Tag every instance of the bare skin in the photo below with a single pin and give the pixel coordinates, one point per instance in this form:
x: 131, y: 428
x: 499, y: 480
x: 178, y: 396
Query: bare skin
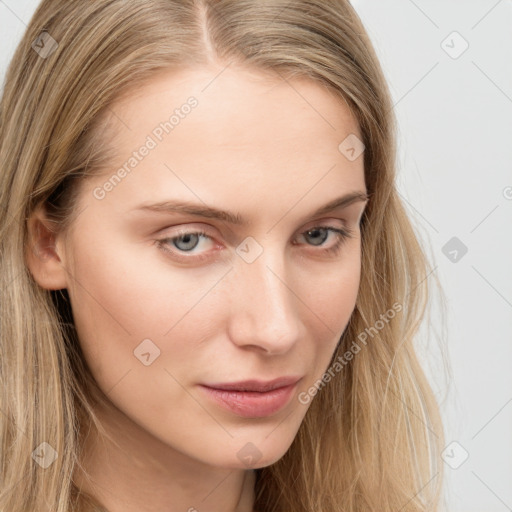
x: 252, y: 145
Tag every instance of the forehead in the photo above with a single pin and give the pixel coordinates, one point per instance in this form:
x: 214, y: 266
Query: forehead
x: 234, y: 104
x: 280, y: 136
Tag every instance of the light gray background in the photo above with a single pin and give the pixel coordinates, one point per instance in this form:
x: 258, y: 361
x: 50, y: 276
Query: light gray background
x: 455, y: 176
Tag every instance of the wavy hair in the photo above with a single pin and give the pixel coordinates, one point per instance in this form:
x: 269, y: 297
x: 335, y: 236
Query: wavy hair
x: 372, y: 438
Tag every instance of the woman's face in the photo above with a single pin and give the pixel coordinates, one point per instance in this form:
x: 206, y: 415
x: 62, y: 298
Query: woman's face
x: 162, y: 311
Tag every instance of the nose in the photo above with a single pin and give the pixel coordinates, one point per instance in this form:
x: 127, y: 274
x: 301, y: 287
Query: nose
x: 264, y: 305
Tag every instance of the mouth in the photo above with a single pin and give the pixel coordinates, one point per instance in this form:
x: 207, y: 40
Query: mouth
x: 253, y: 399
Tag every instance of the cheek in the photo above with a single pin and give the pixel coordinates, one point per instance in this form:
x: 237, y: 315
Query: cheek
x: 332, y: 299
x: 333, y: 291
x: 121, y: 297
x: 124, y: 293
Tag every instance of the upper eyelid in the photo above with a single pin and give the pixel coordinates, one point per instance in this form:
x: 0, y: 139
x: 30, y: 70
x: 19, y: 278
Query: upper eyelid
x: 308, y: 225
x: 182, y: 231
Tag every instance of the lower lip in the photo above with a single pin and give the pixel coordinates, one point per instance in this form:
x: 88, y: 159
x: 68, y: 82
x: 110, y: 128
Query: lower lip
x: 251, y: 404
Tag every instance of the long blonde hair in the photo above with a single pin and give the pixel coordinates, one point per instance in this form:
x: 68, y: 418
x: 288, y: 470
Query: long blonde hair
x: 372, y: 437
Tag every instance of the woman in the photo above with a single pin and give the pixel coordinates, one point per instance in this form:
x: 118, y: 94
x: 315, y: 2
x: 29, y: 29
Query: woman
x: 250, y: 370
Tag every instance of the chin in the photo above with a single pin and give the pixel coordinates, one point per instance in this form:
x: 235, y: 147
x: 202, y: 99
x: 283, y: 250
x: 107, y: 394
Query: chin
x: 254, y: 452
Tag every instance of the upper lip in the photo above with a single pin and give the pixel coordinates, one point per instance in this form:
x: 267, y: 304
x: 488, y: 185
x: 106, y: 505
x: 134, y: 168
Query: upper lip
x: 255, y: 385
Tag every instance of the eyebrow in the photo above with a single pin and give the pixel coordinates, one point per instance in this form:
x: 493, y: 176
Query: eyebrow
x: 235, y: 218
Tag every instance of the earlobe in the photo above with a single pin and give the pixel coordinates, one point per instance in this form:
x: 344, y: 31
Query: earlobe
x: 42, y: 254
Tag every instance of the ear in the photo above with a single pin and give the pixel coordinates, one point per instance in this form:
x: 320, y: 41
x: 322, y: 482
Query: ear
x: 42, y: 252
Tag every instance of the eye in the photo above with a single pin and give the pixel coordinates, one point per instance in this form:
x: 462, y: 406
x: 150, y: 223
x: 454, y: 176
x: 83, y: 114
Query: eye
x: 341, y: 236
x: 185, y: 242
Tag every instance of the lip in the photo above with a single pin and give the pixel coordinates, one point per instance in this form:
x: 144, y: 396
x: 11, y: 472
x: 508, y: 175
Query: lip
x: 255, y: 385
x: 253, y: 404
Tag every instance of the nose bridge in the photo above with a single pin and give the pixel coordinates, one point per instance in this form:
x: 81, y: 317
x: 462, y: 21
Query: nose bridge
x: 264, y: 306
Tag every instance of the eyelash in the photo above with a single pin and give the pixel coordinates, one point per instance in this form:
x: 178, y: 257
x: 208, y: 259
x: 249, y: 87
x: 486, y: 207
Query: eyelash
x: 343, y: 234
